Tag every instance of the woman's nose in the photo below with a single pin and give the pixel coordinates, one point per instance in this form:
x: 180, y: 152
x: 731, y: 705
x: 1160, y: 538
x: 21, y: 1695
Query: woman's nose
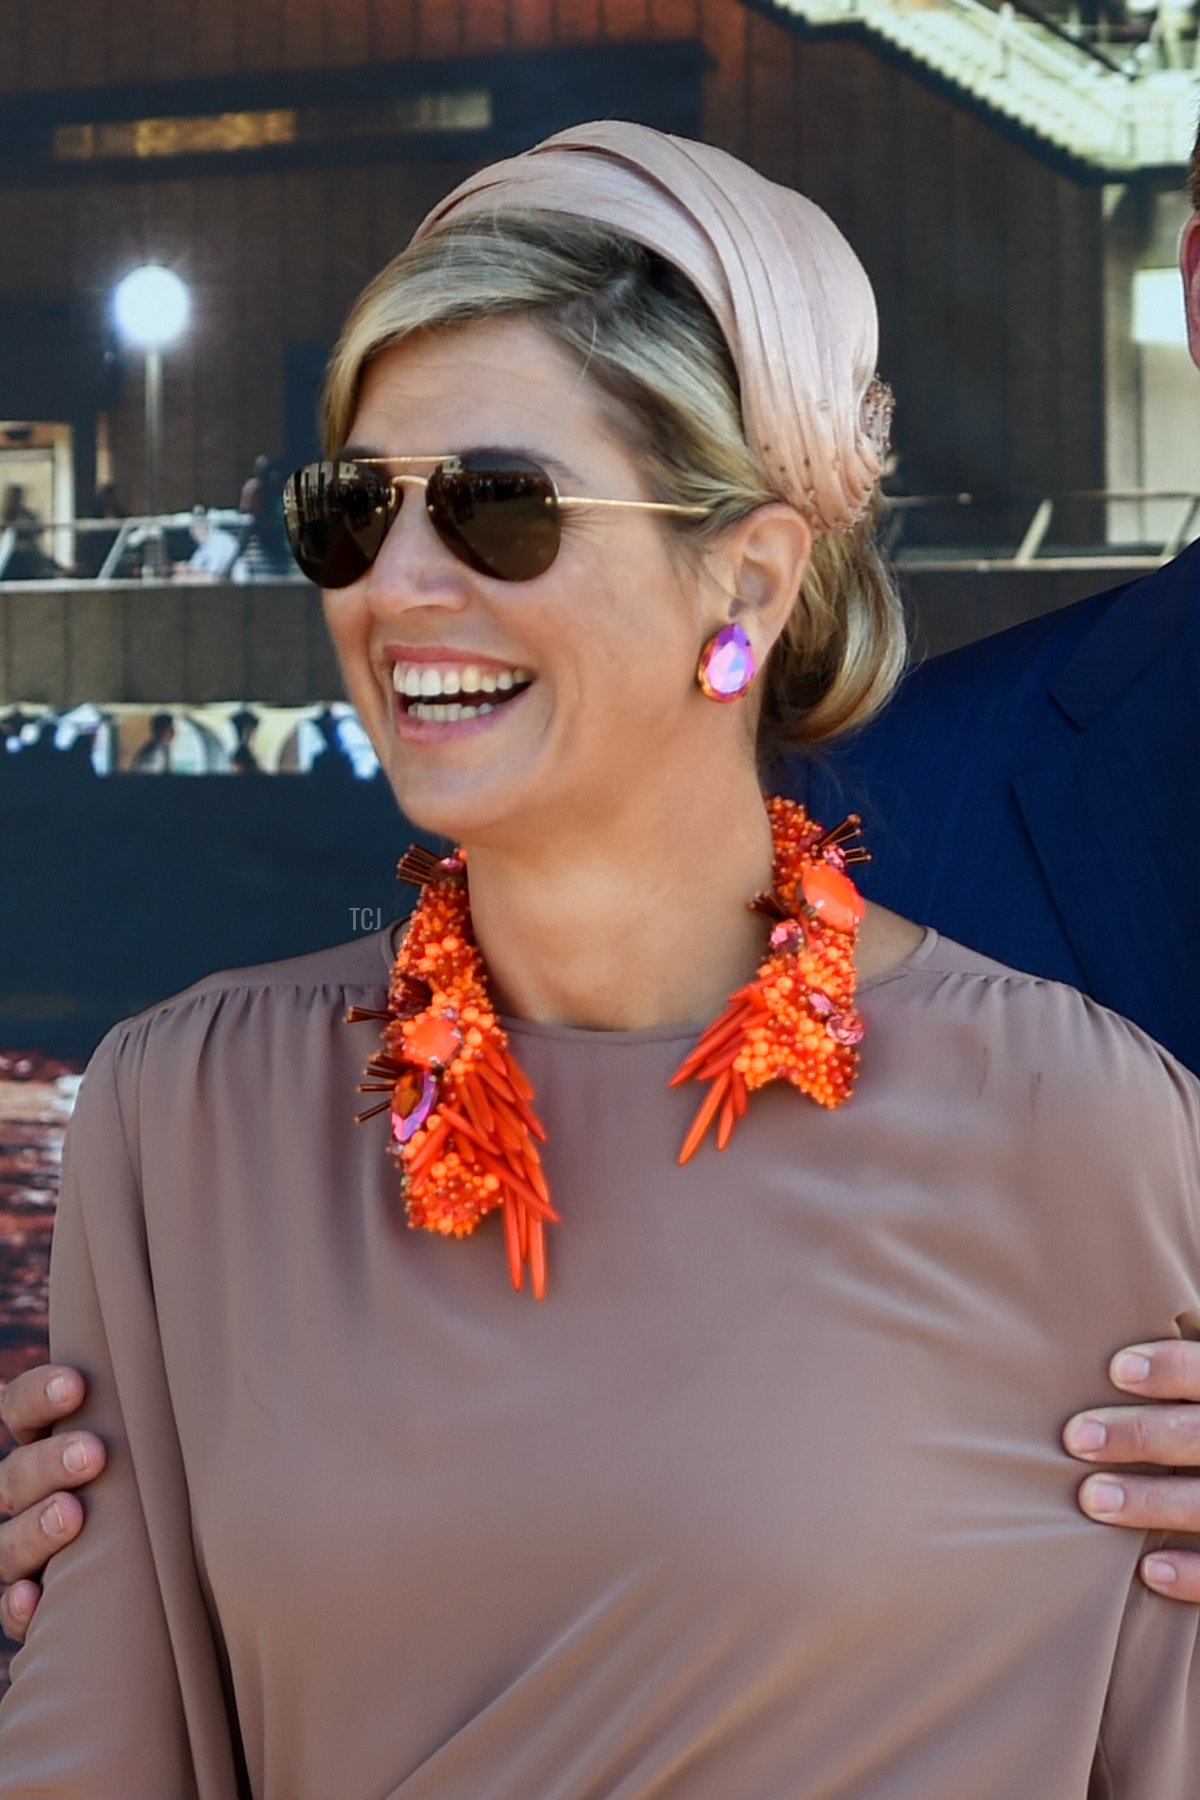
x: 413, y: 567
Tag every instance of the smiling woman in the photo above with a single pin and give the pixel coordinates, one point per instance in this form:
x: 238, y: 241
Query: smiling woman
x: 788, y: 1189
x: 608, y: 678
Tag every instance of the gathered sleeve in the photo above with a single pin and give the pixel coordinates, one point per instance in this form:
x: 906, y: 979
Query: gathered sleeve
x: 117, y: 1693
x: 1149, y: 1744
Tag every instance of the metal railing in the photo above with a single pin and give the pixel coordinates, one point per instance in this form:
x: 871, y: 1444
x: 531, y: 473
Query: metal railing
x: 1020, y: 62
x: 987, y: 547
x: 1075, y: 40
x: 141, y: 549
x: 1033, y: 547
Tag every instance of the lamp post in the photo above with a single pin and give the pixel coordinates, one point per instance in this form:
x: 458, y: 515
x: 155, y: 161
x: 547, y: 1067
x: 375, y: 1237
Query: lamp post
x: 151, y: 306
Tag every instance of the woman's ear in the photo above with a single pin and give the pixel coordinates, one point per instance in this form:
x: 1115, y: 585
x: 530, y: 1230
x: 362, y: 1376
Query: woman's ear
x: 764, y: 558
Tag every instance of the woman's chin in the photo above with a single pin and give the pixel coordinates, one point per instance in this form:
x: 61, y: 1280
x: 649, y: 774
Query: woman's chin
x: 480, y: 807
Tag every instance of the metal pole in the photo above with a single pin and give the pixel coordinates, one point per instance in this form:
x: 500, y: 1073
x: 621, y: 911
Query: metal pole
x: 156, y: 558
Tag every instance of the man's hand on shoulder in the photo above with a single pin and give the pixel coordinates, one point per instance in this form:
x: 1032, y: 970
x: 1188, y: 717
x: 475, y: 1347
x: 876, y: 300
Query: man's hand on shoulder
x: 35, y: 1479
x: 1165, y: 1433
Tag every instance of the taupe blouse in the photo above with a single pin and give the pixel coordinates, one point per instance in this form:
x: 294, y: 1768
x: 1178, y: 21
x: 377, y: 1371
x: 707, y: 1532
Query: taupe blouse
x: 765, y: 1501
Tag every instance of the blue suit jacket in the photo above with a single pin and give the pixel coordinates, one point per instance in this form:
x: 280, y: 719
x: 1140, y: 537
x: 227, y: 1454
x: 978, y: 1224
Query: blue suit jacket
x: 1037, y: 796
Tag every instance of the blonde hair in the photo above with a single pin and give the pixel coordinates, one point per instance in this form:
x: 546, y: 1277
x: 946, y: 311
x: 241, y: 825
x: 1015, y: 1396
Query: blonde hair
x: 663, y: 372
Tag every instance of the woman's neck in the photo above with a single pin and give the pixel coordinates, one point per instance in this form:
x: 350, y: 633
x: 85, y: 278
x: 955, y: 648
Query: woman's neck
x: 631, y: 921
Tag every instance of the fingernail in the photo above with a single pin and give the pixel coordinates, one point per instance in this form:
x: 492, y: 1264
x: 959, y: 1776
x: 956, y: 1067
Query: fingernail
x: 20, y: 1603
x: 1085, y: 1436
x: 1158, y: 1572
x: 58, y: 1390
x: 53, y: 1523
x: 1101, y: 1496
x: 75, y: 1456
x: 1130, y: 1367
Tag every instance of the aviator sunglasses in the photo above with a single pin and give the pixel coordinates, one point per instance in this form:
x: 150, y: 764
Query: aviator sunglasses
x: 498, y: 513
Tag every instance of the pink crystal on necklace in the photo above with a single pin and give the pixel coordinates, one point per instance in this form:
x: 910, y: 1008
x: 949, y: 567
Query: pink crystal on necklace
x: 846, y: 1028
x: 788, y: 935
x: 419, y: 1101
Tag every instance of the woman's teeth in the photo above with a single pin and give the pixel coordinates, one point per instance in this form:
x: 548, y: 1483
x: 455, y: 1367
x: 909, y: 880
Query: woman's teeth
x: 443, y: 714
x: 423, y: 681
x: 444, y: 696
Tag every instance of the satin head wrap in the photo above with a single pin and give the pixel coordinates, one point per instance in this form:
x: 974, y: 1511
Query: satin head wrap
x: 788, y: 292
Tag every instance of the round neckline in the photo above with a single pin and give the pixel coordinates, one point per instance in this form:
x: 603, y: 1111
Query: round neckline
x: 682, y: 1032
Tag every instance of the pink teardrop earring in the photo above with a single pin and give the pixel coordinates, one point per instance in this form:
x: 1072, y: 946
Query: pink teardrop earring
x: 727, y: 665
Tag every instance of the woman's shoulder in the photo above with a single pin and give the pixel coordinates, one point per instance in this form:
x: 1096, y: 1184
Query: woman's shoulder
x: 270, y: 993
x: 357, y: 962
x: 1036, y: 1030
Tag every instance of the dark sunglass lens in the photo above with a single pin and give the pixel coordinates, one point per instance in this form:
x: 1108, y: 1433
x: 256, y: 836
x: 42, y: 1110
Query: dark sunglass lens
x: 337, y: 515
x: 498, y: 513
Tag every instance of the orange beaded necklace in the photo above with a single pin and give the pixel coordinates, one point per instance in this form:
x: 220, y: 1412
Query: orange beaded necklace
x: 464, y: 1131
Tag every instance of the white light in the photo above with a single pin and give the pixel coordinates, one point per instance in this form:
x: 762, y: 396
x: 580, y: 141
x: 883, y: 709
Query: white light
x: 1158, y: 316
x: 151, y: 307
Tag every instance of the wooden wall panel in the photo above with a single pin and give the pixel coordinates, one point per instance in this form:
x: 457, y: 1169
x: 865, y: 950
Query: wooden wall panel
x: 170, y: 216
x: 772, y: 109
x: 389, y: 215
x: 302, y: 226
x: 674, y: 18
x: 276, y: 647
x: 852, y: 151
x: 214, y: 647
x: 12, y: 224
x: 46, y: 25
x: 725, y: 30
x: 324, y: 676
x: 924, y: 302
x: 302, y: 26
x: 347, y: 31
x: 85, y: 51
x: 393, y: 28
x: 441, y: 26
x: 103, y: 243
x: 215, y: 35
x: 577, y: 22
x: 1079, y: 340
x: 1032, y: 297
x: 877, y: 223
x: 12, y: 35
x: 260, y: 33
x: 350, y: 263
x: 979, y: 366
x: 173, y: 30
x: 129, y: 38
x: 625, y: 18
x: 155, y: 636
x: 94, y: 662
x: 37, y: 645
x: 487, y: 27
x: 532, y: 24
x: 41, y: 253
x: 222, y: 301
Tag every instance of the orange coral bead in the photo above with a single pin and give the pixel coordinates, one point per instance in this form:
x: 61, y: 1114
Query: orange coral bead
x: 433, y: 1042
x: 833, y: 897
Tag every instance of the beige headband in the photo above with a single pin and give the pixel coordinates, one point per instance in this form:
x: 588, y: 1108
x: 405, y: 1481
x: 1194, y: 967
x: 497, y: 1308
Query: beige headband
x: 790, y: 295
